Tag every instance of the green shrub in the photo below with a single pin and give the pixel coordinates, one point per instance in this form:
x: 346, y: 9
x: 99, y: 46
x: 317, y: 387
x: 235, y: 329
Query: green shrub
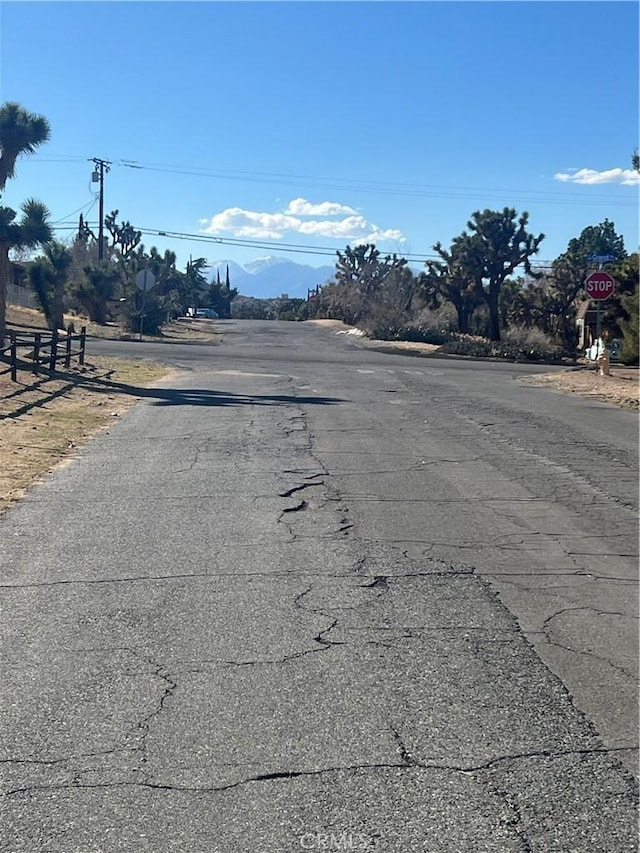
x: 630, y: 337
x: 427, y: 335
x: 518, y: 344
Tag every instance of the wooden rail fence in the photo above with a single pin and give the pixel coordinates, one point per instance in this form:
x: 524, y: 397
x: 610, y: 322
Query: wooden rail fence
x: 40, y: 350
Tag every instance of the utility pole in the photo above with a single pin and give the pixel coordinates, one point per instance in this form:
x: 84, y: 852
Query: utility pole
x: 103, y: 166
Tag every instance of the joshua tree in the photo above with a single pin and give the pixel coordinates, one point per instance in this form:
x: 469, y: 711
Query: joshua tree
x: 21, y: 132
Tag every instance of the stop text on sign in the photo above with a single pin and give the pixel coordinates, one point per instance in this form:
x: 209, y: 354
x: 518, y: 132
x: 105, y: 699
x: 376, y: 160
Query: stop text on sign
x: 600, y: 285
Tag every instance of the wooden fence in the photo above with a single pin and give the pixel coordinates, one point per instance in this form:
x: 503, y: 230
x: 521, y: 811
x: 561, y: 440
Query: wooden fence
x: 37, y: 351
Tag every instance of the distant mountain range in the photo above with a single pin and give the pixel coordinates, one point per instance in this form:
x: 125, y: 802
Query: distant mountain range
x: 269, y: 277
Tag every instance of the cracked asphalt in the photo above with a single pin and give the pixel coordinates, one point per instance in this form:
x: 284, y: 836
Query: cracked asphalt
x: 308, y: 596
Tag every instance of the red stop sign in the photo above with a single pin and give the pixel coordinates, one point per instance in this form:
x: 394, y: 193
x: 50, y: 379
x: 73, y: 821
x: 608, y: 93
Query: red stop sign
x: 600, y: 285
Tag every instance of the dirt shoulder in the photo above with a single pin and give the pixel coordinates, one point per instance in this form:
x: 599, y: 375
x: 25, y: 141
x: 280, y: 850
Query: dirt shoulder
x: 620, y: 388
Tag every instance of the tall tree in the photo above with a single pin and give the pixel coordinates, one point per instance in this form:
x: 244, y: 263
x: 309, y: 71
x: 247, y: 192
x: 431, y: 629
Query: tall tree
x: 21, y: 132
x: 30, y: 231
x: 364, y: 267
x: 195, y: 281
x: 148, y: 311
x: 498, y: 243
x: 629, y: 326
x: 451, y: 279
x: 358, y: 282
x: 570, y: 269
x: 219, y: 297
x: 95, y: 290
x: 48, y: 276
x: 124, y: 237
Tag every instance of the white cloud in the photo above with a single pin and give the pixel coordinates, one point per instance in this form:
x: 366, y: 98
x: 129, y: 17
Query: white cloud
x: 255, y: 225
x: 352, y: 226
x: 627, y: 177
x: 377, y: 236
x: 247, y: 223
x: 302, y: 207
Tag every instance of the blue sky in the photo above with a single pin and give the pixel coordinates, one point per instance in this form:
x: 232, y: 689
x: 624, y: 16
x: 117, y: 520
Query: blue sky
x: 317, y: 124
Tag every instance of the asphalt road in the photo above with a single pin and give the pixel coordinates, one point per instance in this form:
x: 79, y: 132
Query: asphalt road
x: 308, y: 596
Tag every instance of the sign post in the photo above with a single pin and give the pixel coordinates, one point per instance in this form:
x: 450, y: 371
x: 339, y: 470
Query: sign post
x: 145, y: 280
x: 599, y: 286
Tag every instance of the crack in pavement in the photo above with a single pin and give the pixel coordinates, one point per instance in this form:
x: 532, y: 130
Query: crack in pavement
x: 213, y: 576
x: 516, y: 823
x: 551, y: 589
x: 466, y: 769
x: 561, y: 573
x: 170, y: 687
x: 289, y: 492
x: 53, y: 762
x: 407, y: 760
x: 547, y: 629
x: 299, y: 507
x: 379, y: 582
x: 318, y: 638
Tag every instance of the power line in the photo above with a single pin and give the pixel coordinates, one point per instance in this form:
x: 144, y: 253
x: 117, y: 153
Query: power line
x: 88, y: 206
x: 369, y: 186
x: 383, y: 187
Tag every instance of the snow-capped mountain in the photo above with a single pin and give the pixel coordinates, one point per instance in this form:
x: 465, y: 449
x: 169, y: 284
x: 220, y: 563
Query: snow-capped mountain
x: 269, y: 277
x: 261, y: 264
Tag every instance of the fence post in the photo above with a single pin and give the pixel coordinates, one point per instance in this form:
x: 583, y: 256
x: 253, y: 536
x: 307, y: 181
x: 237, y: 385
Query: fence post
x: 14, y: 357
x: 67, y: 357
x: 83, y: 338
x: 54, y: 350
x: 36, y: 352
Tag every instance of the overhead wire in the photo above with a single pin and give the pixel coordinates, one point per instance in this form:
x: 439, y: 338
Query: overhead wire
x: 379, y: 187
x: 464, y: 192
x: 88, y: 207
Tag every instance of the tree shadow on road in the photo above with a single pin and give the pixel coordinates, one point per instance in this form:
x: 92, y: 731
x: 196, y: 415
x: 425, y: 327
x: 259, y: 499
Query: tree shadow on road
x: 207, y: 397
x: 64, y: 382
x: 203, y: 396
